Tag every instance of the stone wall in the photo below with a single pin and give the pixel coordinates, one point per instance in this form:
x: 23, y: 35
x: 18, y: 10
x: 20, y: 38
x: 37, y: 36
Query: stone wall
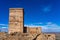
x: 33, y: 30
x: 15, y: 20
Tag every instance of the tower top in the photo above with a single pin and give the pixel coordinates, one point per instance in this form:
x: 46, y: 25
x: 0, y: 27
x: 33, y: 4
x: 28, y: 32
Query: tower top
x: 16, y: 8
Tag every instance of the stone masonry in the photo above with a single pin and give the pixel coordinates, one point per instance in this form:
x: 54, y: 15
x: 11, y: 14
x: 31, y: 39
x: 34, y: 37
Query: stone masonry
x: 15, y: 20
x: 33, y: 30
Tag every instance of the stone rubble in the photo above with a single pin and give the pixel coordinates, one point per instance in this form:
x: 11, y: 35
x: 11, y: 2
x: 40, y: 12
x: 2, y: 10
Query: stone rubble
x: 24, y: 36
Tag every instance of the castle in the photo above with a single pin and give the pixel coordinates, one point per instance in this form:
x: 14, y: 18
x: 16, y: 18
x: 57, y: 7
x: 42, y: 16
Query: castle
x: 16, y: 24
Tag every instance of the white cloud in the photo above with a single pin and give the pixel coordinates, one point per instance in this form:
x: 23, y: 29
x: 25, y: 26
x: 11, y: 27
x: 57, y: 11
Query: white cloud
x: 4, y: 27
x: 51, y: 27
x: 3, y: 24
x: 48, y: 27
x: 38, y: 23
x: 49, y: 23
x: 30, y: 25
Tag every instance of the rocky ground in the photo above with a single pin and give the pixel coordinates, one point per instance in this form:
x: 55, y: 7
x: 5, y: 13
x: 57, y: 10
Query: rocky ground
x: 18, y: 36
x: 22, y: 36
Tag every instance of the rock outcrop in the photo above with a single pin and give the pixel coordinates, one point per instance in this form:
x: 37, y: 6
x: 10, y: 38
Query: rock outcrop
x: 24, y: 36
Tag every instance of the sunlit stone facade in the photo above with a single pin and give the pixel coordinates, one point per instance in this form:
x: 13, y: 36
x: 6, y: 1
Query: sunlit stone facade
x: 32, y: 30
x: 15, y: 20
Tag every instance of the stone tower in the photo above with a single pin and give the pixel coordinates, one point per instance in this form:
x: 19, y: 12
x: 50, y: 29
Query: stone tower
x: 15, y: 20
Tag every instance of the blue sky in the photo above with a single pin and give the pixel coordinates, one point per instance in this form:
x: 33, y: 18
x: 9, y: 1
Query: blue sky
x: 44, y: 13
